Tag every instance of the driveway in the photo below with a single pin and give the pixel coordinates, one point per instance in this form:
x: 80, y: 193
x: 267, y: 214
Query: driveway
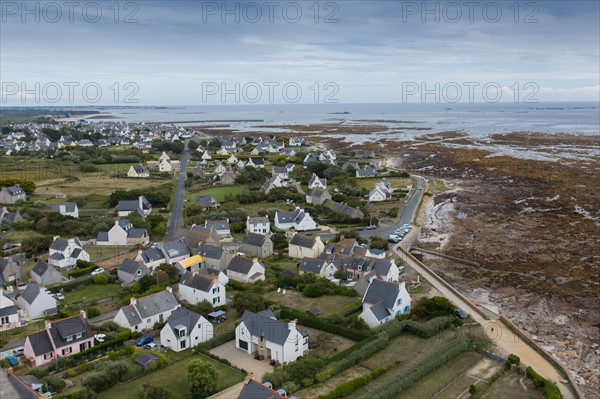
x: 241, y: 359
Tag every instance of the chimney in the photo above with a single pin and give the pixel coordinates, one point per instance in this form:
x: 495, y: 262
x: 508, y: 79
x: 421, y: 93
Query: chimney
x: 55, y: 238
x: 116, y: 222
x: 83, y: 314
x: 47, y: 325
x: 140, y: 202
x: 169, y: 289
x: 292, y: 324
x: 132, y: 300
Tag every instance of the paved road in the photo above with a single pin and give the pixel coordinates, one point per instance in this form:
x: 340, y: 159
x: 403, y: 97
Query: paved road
x: 177, y: 212
x: 496, y: 330
x: 407, y: 215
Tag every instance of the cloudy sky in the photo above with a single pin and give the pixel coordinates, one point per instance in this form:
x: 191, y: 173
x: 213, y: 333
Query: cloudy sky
x: 167, y: 53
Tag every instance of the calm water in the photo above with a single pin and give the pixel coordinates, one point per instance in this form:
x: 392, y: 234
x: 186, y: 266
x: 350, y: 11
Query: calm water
x: 475, y: 119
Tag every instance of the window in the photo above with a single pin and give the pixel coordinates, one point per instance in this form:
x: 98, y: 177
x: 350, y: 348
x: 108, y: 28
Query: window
x: 182, y: 333
x: 182, y: 345
x: 79, y: 335
x: 48, y: 355
x: 3, y: 320
x: 69, y: 338
x: 66, y: 351
x: 216, y: 300
x: 399, y: 301
x: 148, y: 321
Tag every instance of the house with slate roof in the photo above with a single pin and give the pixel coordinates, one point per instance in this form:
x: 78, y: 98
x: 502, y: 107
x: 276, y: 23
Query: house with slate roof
x: 245, y: 270
x: 316, y: 266
x: 257, y: 245
x: 44, y: 274
x: 139, y: 171
x: 221, y: 226
x: 253, y: 389
x: 67, y: 209
x: 384, y: 301
x: 141, y: 206
x: 263, y: 334
x: 7, y: 217
x: 60, y: 338
x: 318, y: 196
x: 143, y: 313
x: 152, y: 258
x: 8, y: 312
x: 207, y: 202
x: 10, y: 270
x: 131, y: 271
x: 37, y: 302
x: 366, y: 171
x: 301, y: 246
x: 317, y: 182
x: 66, y: 252
x: 258, y: 225
x: 12, y: 194
x: 296, y: 219
x: 185, y: 329
x: 197, y: 287
x: 122, y: 234
x: 175, y: 251
x: 214, y: 256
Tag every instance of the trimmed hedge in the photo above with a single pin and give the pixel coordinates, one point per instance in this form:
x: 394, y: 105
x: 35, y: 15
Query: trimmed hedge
x: 354, y: 357
x: 551, y: 391
x: 512, y: 359
x: 320, y: 324
x: 346, y: 388
x: 395, y: 327
x: 406, y: 378
x: 71, y: 285
x: 212, y: 343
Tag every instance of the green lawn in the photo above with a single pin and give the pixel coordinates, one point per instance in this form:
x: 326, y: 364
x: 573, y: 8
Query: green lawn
x: 284, y: 263
x: 174, y: 379
x: 328, y: 305
x: 22, y: 332
x: 396, y: 182
x: 91, y: 293
x: 97, y: 253
x: 217, y: 192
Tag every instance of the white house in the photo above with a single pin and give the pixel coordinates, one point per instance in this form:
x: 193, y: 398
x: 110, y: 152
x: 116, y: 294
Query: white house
x: 198, y: 287
x: 165, y: 165
x: 185, y: 329
x: 44, y: 274
x: 245, y: 270
x: 12, y: 194
x: 316, y: 266
x: 316, y: 182
x: 274, y: 182
x: 141, y: 206
x: 175, y: 251
x: 258, y: 225
x: 122, y: 234
x: 152, y: 258
x: 143, y: 313
x: 296, y: 219
x: 302, y: 246
x: 138, y: 171
x: 206, y: 156
x: 384, y: 301
x: 381, y: 192
x: 8, y: 312
x: 67, y: 209
x: 37, y: 302
x: 66, y: 253
x: 221, y: 226
x: 263, y: 334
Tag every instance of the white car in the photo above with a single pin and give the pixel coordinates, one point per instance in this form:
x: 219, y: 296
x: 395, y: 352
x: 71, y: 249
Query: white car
x: 98, y: 272
x: 100, y: 337
x: 59, y: 296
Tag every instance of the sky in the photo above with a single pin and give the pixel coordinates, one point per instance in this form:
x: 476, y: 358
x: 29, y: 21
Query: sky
x: 205, y: 52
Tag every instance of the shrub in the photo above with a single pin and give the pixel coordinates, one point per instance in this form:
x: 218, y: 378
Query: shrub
x: 81, y: 272
x: 346, y: 388
x: 101, y: 279
x: 512, y: 359
x: 92, y: 312
x: 212, y: 343
x: 320, y: 324
x: 551, y: 391
x: 53, y: 384
x: 426, y: 308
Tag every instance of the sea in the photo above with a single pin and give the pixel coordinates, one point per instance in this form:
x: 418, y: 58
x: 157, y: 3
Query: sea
x: 476, y: 119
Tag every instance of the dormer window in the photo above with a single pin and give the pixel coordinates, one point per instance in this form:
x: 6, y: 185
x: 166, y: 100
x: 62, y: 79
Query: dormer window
x: 79, y: 335
x: 181, y: 333
x: 69, y: 338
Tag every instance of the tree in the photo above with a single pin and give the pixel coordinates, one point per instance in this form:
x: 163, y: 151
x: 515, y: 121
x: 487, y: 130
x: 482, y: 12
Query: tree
x: 379, y: 243
x: 27, y: 185
x: 156, y: 392
x: 203, y: 379
x: 426, y: 308
x: 339, y: 274
x: 53, y: 383
x: 249, y: 301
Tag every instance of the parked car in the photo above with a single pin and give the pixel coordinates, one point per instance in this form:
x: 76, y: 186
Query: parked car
x: 12, y: 360
x: 461, y: 314
x: 98, y: 272
x: 371, y: 227
x: 59, y: 296
x: 394, y: 238
x: 19, y: 352
x: 151, y: 346
x: 146, y: 339
x: 359, y: 228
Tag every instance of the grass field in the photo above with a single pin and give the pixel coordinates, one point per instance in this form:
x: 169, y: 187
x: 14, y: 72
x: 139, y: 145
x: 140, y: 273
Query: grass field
x: 22, y: 332
x: 285, y: 263
x: 217, y: 192
x: 90, y: 294
x: 396, y: 182
x: 328, y: 305
x: 325, y: 344
x: 99, y: 252
x: 321, y: 389
x: 174, y: 379
x: 509, y: 386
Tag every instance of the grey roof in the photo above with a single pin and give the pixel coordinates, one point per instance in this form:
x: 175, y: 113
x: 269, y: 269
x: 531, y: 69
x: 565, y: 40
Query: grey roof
x: 128, y: 205
x: 380, y: 290
x: 140, y: 169
x: 148, y: 306
x: 265, y: 327
x: 183, y: 317
x: 14, y: 190
x: 7, y: 311
x: 317, y: 192
x: 209, y: 271
x: 199, y: 281
x: 217, y: 224
x: 146, y: 359
x: 57, y: 256
x: 380, y: 311
x: 60, y: 244
x: 255, y: 240
x: 137, y: 233
x: 131, y: 266
x: 255, y: 390
x: 302, y: 240
x: 279, y: 170
x: 30, y: 293
x: 175, y: 248
x: 311, y: 265
x: 207, y: 201
x: 200, y: 229
x: 258, y: 220
x: 62, y: 329
x: 240, y: 264
x: 68, y: 207
x: 382, y: 266
x: 40, y: 343
x: 210, y: 251
x: 102, y: 236
x: 292, y: 216
x: 257, y: 161
x: 367, y: 171
x: 40, y: 268
x: 347, y: 210
x: 152, y: 255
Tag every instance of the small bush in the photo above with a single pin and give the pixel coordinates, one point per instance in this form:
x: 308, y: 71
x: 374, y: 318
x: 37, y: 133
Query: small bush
x: 53, y: 384
x: 92, y: 312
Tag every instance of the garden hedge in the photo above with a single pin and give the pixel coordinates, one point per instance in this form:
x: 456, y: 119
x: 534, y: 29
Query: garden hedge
x: 323, y: 325
x: 346, y: 388
x: 551, y: 391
